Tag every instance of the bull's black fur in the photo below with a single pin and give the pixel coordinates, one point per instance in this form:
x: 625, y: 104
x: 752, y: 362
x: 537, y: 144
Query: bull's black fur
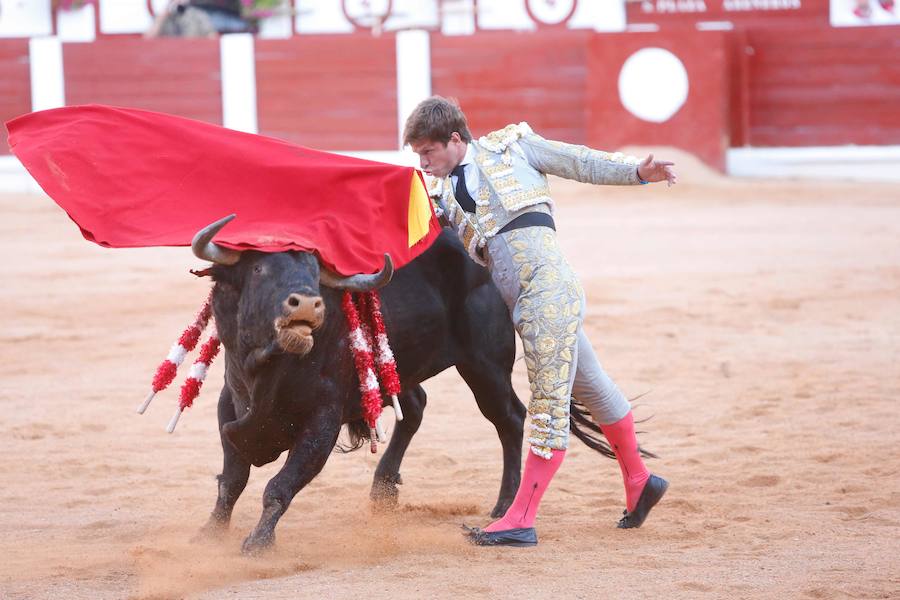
x: 441, y: 310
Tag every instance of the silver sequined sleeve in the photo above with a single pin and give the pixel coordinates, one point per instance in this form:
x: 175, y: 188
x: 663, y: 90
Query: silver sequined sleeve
x: 580, y: 163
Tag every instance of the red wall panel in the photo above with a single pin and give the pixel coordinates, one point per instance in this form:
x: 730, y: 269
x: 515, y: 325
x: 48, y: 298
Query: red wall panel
x: 819, y: 87
x: 739, y: 88
x: 700, y: 126
x: 331, y: 92
x: 176, y: 76
x: 500, y: 78
x: 15, y: 82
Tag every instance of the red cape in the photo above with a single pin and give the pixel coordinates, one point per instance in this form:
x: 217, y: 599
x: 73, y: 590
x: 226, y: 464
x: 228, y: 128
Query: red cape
x: 132, y: 178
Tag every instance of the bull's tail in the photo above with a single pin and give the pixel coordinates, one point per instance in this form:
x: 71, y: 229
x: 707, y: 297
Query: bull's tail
x: 584, y: 428
x: 581, y: 424
x: 358, y: 434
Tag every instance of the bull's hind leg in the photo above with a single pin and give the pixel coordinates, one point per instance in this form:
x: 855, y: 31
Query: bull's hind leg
x: 490, y: 383
x: 315, y: 440
x: 234, y: 476
x: 387, y: 476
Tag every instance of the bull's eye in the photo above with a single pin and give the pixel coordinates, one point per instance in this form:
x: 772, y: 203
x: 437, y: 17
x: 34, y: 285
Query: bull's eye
x: 257, y: 269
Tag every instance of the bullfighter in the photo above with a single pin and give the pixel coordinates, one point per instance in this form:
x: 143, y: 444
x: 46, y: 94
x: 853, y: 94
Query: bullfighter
x: 494, y: 193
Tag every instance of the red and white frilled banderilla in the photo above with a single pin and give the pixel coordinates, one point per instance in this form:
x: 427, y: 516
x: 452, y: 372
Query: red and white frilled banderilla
x: 365, y: 336
x: 368, y: 342
x: 167, y: 370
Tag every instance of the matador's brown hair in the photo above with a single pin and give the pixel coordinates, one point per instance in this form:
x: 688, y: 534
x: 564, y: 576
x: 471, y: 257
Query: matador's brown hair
x: 435, y: 119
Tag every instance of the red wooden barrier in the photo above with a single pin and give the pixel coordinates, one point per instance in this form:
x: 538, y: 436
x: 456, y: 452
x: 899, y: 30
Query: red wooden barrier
x: 15, y: 82
x: 176, y: 76
x: 500, y: 77
x: 820, y: 87
x: 328, y: 92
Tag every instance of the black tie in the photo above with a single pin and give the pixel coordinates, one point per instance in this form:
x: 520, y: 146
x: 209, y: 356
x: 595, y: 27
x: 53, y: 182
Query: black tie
x: 462, y: 192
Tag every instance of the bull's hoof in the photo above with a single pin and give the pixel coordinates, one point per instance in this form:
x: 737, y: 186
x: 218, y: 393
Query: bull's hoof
x: 385, y: 503
x: 385, y: 495
x: 213, y: 530
x: 501, y: 507
x: 257, y: 544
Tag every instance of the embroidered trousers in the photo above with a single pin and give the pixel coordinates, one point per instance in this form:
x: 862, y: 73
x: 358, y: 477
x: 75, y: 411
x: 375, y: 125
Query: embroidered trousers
x: 546, y: 304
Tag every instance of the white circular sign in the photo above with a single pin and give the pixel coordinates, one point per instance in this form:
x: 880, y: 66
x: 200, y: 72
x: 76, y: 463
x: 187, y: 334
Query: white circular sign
x: 653, y: 84
x: 551, y: 12
x: 366, y: 13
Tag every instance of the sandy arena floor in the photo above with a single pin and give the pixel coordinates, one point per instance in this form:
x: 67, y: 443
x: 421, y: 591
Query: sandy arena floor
x: 763, y: 320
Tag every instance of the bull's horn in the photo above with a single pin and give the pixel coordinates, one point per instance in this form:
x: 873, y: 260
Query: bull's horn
x: 357, y: 283
x: 206, y: 249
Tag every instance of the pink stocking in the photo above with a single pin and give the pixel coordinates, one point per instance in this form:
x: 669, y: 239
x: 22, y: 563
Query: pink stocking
x: 624, y: 443
x: 535, y: 480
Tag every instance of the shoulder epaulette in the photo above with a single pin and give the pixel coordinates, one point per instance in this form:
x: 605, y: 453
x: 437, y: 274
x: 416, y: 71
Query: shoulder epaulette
x: 497, y: 141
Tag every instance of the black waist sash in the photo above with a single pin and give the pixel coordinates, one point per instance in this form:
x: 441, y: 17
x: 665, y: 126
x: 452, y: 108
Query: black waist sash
x: 530, y: 219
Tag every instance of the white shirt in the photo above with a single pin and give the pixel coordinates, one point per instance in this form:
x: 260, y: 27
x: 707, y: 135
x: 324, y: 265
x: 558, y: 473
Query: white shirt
x: 470, y: 171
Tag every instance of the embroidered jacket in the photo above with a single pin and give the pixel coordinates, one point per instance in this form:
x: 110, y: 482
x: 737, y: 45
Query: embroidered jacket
x: 513, y: 164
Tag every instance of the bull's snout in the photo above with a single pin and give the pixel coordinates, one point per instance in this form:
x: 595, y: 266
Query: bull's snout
x: 304, y: 308
x: 301, y: 315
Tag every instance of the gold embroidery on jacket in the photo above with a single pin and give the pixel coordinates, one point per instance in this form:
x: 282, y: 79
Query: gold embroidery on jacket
x: 507, y: 186
x: 494, y: 171
x: 518, y: 200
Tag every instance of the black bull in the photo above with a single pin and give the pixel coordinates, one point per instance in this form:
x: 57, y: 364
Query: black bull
x: 290, y: 379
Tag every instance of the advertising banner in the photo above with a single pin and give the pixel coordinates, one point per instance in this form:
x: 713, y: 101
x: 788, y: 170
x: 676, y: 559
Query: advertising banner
x: 738, y: 12
x: 864, y: 13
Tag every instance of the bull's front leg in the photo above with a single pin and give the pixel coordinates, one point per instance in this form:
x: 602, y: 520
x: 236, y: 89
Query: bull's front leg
x: 234, y: 476
x: 315, y: 440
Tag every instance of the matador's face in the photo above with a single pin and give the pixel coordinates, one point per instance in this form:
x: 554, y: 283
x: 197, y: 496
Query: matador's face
x: 437, y: 158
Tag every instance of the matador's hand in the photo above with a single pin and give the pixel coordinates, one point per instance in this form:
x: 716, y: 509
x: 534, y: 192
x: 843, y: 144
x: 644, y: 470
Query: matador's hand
x: 657, y: 170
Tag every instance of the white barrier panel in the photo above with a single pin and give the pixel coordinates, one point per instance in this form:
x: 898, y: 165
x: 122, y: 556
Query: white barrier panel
x: 48, y: 83
x: 413, y: 74
x: 124, y: 16
x: 25, y: 19
x: 859, y: 163
x: 321, y: 16
x: 77, y: 25
x: 457, y: 17
x: 238, y: 65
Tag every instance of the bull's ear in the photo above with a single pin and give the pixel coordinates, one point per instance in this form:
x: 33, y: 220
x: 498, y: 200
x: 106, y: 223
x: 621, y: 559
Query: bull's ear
x: 357, y: 283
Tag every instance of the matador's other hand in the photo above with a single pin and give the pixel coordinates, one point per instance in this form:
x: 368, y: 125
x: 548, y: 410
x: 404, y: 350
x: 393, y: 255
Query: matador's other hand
x: 657, y: 170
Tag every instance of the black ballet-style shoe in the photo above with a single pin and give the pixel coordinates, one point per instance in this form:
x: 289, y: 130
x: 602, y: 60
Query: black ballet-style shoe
x: 520, y: 538
x: 653, y: 491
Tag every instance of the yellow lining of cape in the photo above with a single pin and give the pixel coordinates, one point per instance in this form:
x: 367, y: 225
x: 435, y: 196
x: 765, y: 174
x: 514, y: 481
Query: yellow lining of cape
x: 419, y: 210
